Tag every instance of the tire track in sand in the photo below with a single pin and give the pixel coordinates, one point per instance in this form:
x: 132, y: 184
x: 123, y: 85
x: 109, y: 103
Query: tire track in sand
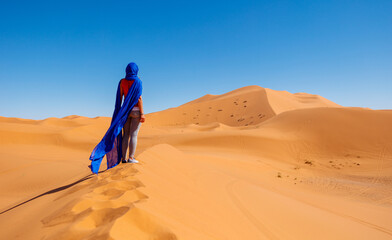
x: 259, y: 225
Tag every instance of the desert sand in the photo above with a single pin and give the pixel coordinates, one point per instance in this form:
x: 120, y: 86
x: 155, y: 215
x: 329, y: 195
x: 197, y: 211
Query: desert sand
x: 253, y: 163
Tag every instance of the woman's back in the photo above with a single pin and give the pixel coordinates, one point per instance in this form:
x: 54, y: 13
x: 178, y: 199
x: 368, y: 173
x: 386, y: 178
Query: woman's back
x: 125, y: 86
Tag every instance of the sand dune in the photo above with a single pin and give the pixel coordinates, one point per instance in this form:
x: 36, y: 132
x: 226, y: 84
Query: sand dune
x: 242, y: 107
x: 282, y: 101
x: 253, y: 163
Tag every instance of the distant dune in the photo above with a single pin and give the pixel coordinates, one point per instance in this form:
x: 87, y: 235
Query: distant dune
x: 242, y: 107
x: 253, y: 163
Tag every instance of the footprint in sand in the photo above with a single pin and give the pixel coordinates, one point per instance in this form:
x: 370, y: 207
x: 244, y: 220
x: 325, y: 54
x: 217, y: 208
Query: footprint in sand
x: 103, y: 205
x: 308, y: 162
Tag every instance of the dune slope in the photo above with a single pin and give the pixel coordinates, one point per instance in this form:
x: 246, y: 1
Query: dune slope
x: 242, y: 107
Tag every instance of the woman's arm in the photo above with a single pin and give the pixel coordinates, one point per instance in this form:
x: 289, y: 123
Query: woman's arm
x: 140, y: 104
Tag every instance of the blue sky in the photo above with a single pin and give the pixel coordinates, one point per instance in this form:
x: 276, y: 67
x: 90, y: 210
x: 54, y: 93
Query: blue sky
x: 59, y: 58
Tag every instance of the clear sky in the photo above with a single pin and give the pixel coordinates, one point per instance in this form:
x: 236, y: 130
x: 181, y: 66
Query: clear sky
x: 59, y: 58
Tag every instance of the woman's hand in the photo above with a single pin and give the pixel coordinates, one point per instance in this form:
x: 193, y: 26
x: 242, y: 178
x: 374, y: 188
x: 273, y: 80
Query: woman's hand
x: 142, y: 118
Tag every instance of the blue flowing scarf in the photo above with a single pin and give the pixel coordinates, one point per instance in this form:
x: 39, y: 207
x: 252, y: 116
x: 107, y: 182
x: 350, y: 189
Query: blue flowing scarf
x: 111, y: 142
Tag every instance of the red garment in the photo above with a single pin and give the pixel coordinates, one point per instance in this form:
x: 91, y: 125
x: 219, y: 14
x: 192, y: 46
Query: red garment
x: 125, y: 85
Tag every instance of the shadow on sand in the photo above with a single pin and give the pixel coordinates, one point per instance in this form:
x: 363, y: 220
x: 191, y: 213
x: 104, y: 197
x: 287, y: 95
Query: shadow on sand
x: 51, y: 191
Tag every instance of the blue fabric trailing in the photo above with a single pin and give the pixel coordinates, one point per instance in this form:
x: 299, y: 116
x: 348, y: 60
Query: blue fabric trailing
x: 111, y: 142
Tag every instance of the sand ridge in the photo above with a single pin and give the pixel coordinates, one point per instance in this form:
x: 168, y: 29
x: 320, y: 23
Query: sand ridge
x: 104, y: 207
x: 241, y: 107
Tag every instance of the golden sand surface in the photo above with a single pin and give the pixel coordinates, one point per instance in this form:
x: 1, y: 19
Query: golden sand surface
x: 253, y: 163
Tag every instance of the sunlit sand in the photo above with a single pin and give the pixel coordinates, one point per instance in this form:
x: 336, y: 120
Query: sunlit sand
x: 253, y: 163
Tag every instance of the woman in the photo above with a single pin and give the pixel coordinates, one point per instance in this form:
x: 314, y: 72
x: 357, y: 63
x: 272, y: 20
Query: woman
x: 135, y: 118
x: 127, y: 116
